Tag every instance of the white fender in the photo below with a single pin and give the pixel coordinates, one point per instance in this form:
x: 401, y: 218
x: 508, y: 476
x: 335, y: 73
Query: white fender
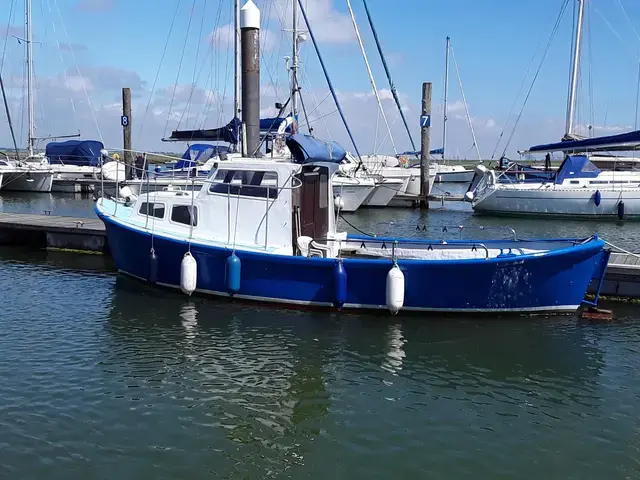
x: 395, y: 289
x: 188, y: 274
x: 338, y: 202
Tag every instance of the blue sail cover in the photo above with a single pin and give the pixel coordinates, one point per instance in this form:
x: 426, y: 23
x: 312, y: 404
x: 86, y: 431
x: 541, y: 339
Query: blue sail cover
x: 307, y: 149
x: 273, y: 124
x: 576, y: 166
x: 622, y: 141
x: 74, y: 152
x: 228, y: 133
x: 199, y: 153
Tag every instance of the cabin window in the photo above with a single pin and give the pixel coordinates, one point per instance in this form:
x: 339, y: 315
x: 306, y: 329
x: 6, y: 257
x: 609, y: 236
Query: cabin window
x: 182, y: 214
x: 323, y: 194
x: 152, y: 209
x: 246, y: 183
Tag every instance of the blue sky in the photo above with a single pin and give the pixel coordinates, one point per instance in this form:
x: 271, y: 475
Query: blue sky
x: 98, y: 46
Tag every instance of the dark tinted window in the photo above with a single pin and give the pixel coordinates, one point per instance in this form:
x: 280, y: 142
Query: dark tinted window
x: 182, y: 214
x: 152, y: 209
x: 246, y: 183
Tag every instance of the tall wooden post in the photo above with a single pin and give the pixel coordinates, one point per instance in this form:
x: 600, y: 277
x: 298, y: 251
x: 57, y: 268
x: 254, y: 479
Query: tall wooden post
x: 425, y: 136
x: 126, y: 132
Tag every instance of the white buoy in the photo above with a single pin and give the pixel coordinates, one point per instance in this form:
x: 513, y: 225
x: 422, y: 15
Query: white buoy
x: 338, y: 202
x: 188, y: 274
x: 395, y: 289
x: 468, y: 197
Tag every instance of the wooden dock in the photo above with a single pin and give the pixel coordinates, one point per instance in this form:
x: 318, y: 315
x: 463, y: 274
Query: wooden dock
x: 623, y: 276
x: 49, y: 231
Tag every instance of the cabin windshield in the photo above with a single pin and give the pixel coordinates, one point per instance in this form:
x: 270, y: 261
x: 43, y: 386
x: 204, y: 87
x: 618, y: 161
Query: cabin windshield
x: 246, y: 183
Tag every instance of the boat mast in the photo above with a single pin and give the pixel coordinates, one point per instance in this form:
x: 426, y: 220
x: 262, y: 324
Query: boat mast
x: 294, y: 69
x: 30, y: 108
x: 575, y: 71
x: 446, y: 100
x: 236, y: 66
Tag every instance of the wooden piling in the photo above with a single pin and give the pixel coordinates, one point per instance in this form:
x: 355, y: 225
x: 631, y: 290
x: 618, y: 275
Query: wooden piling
x: 126, y: 132
x: 425, y: 137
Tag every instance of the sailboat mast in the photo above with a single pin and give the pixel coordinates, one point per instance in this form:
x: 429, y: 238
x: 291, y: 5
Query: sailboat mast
x: 236, y: 64
x: 30, y: 108
x: 575, y: 70
x: 294, y: 68
x: 446, y: 100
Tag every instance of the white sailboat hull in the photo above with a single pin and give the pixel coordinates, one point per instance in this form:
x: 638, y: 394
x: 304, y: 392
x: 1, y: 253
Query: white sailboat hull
x: 560, y: 202
x: 383, y: 193
x: 353, y: 195
x: 459, y: 176
x: 27, y: 181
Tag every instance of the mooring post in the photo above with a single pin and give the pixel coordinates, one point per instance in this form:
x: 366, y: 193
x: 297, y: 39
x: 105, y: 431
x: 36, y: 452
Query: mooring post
x: 425, y: 135
x: 250, y: 47
x: 125, y: 121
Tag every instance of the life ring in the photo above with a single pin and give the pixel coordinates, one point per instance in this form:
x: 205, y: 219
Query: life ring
x: 403, y: 161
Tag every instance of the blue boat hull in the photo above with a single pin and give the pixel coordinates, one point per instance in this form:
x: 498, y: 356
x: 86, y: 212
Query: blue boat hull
x: 554, y: 282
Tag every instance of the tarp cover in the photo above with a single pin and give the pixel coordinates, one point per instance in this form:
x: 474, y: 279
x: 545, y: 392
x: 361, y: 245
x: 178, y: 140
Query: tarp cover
x: 576, y: 166
x: 307, y: 149
x: 74, y: 152
x: 228, y: 133
x: 199, y: 153
x: 622, y: 141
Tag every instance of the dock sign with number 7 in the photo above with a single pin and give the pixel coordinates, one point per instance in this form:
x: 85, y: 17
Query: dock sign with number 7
x: 425, y: 121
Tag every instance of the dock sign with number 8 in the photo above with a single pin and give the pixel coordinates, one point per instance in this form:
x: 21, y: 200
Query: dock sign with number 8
x: 124, y: 120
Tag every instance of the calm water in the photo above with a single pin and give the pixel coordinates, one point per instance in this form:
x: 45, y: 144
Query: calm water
x: 104, y: 377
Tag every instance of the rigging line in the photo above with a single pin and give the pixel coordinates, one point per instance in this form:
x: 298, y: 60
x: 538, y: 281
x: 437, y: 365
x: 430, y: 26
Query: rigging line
x: 464, y: 100
x: 175, y: 85
x: 590, y: 79
x: 306, y: 80
x: 6, y: 107
x: 155, y: 80
x: 371, y: 79
x: 388, y: 72
x: 515, y: 100
x: 629, y: 20
x: 82, y: 82
x: 55, y: 32
x: 195, y: 69
x: 212, y: 76
x: 535, y: 77
x: 324, y: 116
x: 6, y: 37
x: 306, y: 117
x: 326, y: 74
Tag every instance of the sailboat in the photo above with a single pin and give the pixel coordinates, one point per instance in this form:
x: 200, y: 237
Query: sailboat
x: 445, y: 172
x: 266, y: 231
x: 578, y: 188
x: 26, y: 175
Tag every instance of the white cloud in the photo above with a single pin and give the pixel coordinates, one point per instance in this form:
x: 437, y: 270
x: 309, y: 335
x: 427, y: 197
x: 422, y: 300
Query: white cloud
x: 328, y: 24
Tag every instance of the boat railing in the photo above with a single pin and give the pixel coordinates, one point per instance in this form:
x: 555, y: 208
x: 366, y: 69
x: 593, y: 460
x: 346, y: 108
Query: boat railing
x: 393, y: 245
